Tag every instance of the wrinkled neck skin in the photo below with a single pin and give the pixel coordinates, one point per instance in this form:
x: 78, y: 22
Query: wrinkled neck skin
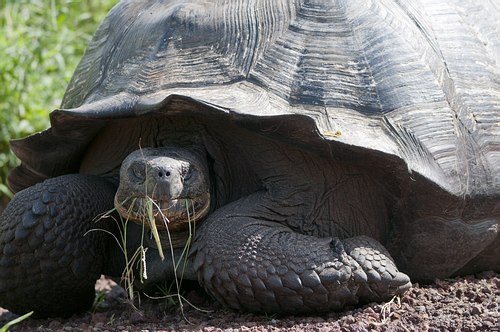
x: 321, y: 198
x: 310, y: 194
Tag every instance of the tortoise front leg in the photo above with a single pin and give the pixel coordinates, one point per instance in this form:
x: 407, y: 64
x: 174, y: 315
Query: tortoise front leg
x: 47, y: 261
x: 251, y: 264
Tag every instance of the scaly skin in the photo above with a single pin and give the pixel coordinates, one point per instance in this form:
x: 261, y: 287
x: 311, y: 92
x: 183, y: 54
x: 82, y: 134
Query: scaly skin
x: 47, y: 261
x: 263, y: 266
x: 241, y: 255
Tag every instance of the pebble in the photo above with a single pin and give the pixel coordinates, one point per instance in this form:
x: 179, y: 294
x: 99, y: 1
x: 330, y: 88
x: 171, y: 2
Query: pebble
x: 463, y: 305
x: 470, y: 295
x: 349, y: 319
x: 420, y: 308
x: 476, y: 310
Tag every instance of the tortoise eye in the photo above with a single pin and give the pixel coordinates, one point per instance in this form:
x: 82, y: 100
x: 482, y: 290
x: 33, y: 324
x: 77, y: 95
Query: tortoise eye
x: 187, y: 173
x: 137, y: 172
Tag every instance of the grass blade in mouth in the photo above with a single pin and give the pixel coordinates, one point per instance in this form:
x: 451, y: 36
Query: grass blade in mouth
x: 152, y: 225
x: 138, y: 258
x: 184, y: 255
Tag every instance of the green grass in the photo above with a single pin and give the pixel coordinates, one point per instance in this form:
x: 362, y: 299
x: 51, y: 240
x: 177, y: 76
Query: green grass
x: 6, y: 327
x: 171, y: 289
x: 41, y: 43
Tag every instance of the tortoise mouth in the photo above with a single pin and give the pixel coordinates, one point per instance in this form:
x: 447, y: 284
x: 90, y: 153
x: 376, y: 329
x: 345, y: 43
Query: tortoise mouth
x: 171, y: 214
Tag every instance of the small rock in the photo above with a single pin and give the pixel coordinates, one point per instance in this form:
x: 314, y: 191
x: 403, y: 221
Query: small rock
x: 480, y: 299
x: 489, y: 322
x: 470, y: 295
x: 395, y: 316
x: 349, y: 319
x: 492, y: 306
x: 497, y: 282
x: 420, y: 308
x: 415, y: 319
x: 324, y: 329
x: 486, y: 290
x: 358, y: 327
x: 476, y: 310
x: 370, y: 310
x: 442, y: 284
x: 208, y: 329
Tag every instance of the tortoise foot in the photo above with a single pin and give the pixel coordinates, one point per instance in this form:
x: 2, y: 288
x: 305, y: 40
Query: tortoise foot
x: 49, y: 262
x: 261, y: 266
x: 380, y: 276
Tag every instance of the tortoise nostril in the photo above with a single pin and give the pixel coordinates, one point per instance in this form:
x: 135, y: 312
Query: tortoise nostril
x: 167, y: 174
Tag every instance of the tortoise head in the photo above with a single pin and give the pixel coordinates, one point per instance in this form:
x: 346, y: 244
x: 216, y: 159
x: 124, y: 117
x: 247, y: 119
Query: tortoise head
x: 172, y: 184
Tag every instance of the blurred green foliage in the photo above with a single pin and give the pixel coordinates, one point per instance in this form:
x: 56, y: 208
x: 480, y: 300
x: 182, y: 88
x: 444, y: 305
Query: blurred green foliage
x: 40, y: 45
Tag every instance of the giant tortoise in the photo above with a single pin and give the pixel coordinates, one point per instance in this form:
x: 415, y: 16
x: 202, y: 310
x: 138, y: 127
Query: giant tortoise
x: 322, y: 152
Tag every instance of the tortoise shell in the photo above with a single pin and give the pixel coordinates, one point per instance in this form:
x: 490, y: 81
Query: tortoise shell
x: 412, y: 85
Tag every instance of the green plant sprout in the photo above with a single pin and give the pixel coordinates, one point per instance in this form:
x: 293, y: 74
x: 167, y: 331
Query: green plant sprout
x: 183, y: 259
x: 128, y: 276
x: 138, y: 258
x: 19, y: 319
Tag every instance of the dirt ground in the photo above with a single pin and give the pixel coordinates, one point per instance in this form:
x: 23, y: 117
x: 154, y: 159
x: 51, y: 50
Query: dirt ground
x: 468, y: 303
